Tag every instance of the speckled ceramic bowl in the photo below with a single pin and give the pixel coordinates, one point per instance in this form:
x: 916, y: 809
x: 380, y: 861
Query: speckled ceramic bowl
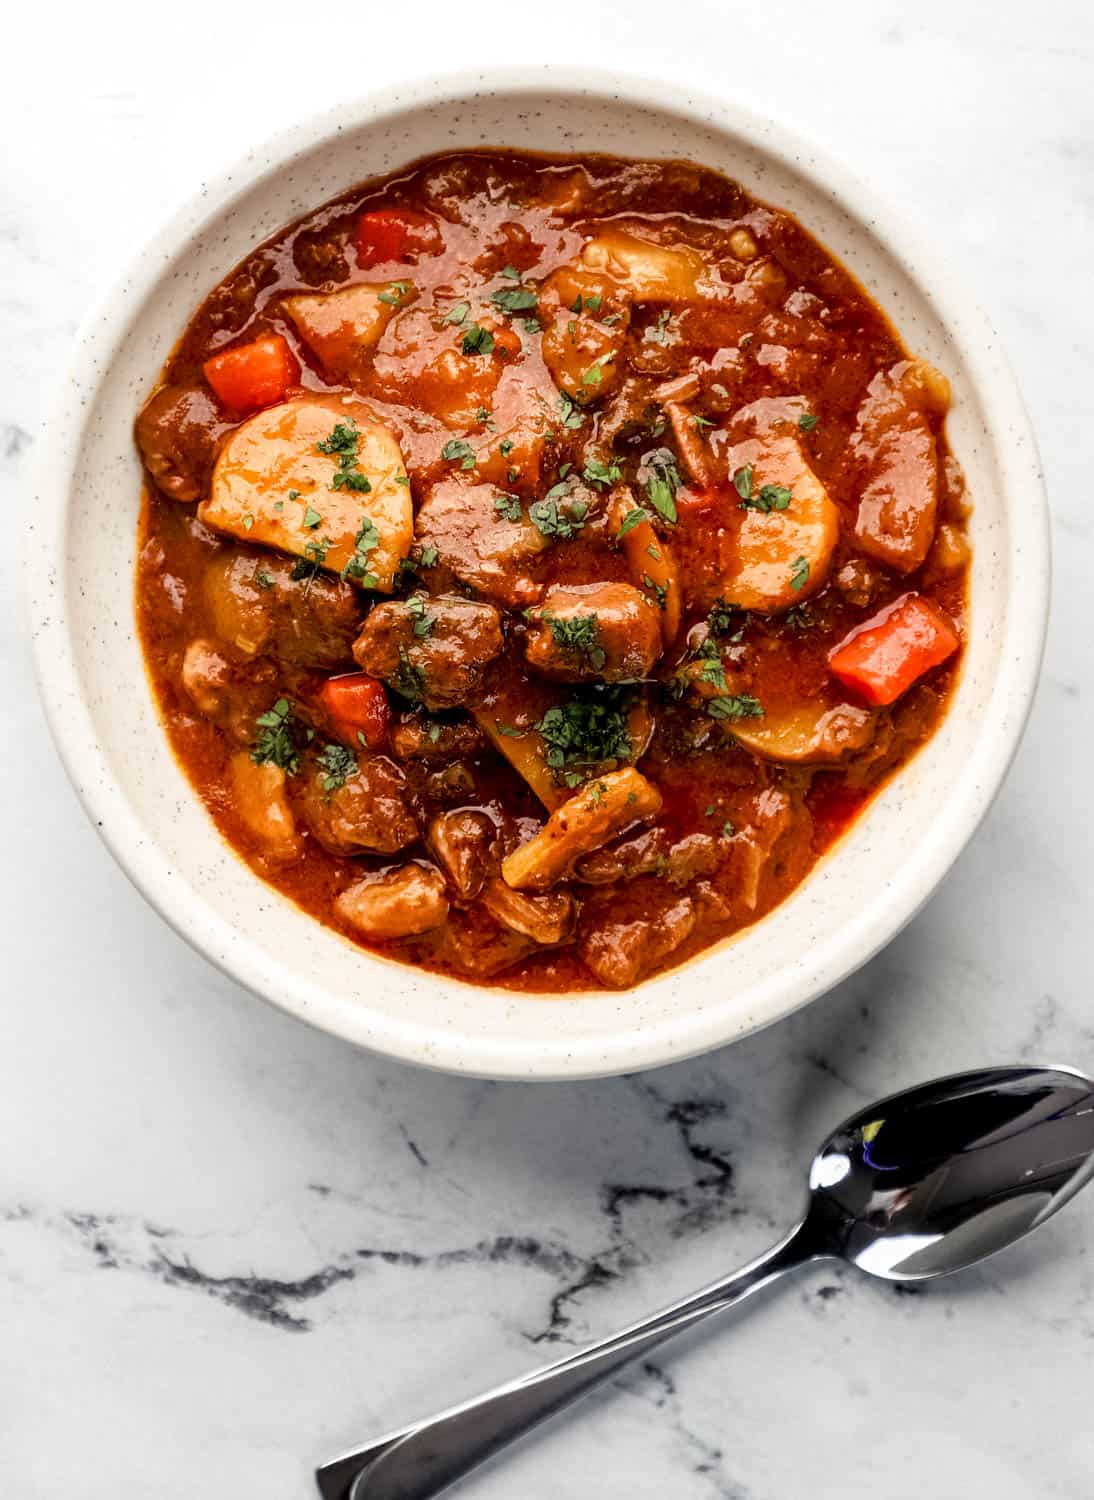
x: 80, y: 566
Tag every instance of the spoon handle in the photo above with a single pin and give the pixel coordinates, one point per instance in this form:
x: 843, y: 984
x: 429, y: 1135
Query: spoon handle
x: 425, y: 1457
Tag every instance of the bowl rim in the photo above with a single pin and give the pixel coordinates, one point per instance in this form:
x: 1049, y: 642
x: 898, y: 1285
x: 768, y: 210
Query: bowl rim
x: 605, y: 1054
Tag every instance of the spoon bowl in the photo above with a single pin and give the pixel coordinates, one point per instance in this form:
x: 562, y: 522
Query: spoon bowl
x: 923, y: 1183
x: 934, y: 1179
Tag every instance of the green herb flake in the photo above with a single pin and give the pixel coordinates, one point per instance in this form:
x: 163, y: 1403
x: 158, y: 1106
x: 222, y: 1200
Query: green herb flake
x: 595, y: 373
x: 659, y: 474
x: 312, y: 518
x: 428, y: 557
x: 807, y: 421
x: 342, y: 444
x: 580, y: 635
x: 658, y: 333
x: 728, y: 829
x: 248, y: 522
x: 571, y: 415
x: 366, y: 541
x: 586, y: 731
x: 394, y: 293
x: 742, y: 481
x: 508, y: 507
x: 505, y: 447
x: 456, y: 314
x: 263, y: 579
x: 510, y: 273
x: 477, y: 340
x: 770, y: 497
x: 735, y: 706
x: 799, y: 574
x: 403, y: 479
x: 632, y: 519
x: 423, y: 620
x: 515, y: 299
x: 277, y: 741
x: 556, y: 515
x: 597, y: 472
x: 701, y: 422
x: 338, y: 763
x: 458, y: 451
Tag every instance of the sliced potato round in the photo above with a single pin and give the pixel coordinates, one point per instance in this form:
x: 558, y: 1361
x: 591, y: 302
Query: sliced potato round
x: 273, y: 484
x: 779, y: 558
x: 808, y: 734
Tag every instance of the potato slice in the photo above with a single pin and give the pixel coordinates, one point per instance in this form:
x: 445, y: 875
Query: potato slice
x: 272, y: 484
x: 649, y: 272
x: 650, y: 562
x: 338, y: 327
x: 259, y: 797
x: 603, y: 808
x: 807, y: 735
x: 779, y: 558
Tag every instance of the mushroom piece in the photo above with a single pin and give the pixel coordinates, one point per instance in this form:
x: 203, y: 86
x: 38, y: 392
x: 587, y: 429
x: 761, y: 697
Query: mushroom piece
x: 602, y: 809
x: 809, y: 734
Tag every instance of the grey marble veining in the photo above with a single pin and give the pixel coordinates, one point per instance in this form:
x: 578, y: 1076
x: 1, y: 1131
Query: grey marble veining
x: 229, y: 1245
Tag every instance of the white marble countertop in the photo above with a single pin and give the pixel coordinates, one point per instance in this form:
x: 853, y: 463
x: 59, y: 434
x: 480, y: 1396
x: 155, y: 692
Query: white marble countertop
x: 230, y: 1246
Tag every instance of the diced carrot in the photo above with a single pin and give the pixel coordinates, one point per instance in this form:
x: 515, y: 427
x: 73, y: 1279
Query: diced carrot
x: 882, y: 658
x: 253, y: 375
x: 357, y: 707
x: 387, y: 234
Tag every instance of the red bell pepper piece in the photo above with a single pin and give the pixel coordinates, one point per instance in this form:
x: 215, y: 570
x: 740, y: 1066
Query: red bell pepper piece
x: 883, y: 657
x: 386, y: 234
x: 253, y: 375
x: 357, y: 707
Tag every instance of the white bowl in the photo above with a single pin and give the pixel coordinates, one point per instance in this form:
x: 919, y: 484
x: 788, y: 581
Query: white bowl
x: 81, y: 555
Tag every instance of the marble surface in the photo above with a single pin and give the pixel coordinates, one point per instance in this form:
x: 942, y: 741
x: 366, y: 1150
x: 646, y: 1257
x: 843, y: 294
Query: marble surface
x: 230, y: 1246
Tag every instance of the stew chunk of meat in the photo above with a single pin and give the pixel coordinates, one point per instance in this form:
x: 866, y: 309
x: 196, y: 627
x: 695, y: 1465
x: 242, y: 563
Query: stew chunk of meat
x: 367, y: 814
x: 258, y: 607
x: 899, y: 503
x: 176, y: 432
x: 605, y: 631
x: 432, y: 651
x: 470, y: 527
x: 229, y: 693
x: 400, y: 903
x: 318, y: 478
x: 621, y: 945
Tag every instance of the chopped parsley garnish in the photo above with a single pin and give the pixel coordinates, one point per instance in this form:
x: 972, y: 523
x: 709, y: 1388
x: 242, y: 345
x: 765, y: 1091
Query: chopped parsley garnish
x: 338, y: 763
x: 712, y: 670
x: 505, y: 447
x: 277, y: 742
x: 315, y: 555
x: 585, y: 731
x: 735, y: 706
x: 571, y: 415
x: 356, y: 568
x: 556, y: 515
x: 515, y: 299
x: 742, y: 481
x: 428, y: 556
x: 724, y: 618
x: 457, y: 451
x: 807, y: 421
x: 798, y: 618
x: 580, y: 635
x: 632, y: 519
x: 342, y: 444
x: 728, y: 829
x: 702, y: 422
x: 248, y: 521
x: 395, y: 293
x: 263, y: 579
x: 660, y: 591
x: 477, y: 340
x: 409, y: 678
x: 595, y: 373
x: 293, y: 495
x: 659, y: 474
x: 510, y: 273
x: 423, y: 620
x: 770, y: 497
x: 508, y: 507
x: 403, y: 479
x: 312, y: 518
x: 799, y: 574
x: 598, y: 472
x: 456, y: 313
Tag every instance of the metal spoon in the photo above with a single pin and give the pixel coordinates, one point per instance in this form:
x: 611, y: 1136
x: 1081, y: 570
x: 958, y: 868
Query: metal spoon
x: 921, y: 1184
